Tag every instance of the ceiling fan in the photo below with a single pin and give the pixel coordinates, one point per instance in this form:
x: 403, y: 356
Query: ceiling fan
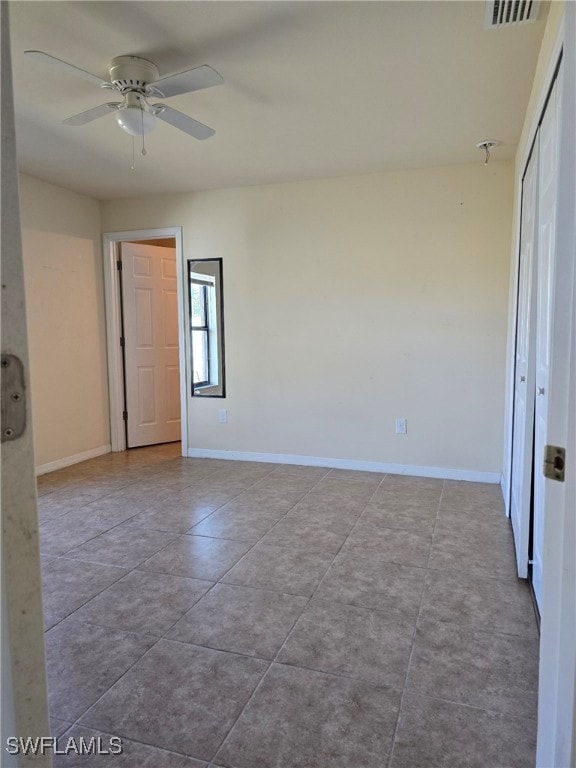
x: 137, y: 80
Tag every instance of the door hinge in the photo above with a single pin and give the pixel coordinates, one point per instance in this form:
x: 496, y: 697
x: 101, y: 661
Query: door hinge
x: 119, y: 264
x: 554, y: 462
x: 125, y: 415
x: 13, y: 398
x: 122, y: 341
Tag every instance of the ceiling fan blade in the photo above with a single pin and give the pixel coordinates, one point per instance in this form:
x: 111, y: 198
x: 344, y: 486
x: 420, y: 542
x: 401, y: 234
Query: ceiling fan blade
x: 183, y: 122
x: 52, y: 61
x: 93, y: 114
x: 190, y: 80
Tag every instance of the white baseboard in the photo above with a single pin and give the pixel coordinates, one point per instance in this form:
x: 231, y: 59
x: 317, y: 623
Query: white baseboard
x: 504, y: 490
x: 364, y: 466
x: 68, y: 461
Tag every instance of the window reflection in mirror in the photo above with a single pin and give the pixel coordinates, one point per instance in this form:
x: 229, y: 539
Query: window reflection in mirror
x: 206, y: 327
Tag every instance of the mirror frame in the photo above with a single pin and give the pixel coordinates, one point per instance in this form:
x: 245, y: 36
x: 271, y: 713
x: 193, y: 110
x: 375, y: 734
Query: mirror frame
x: 219, y: 328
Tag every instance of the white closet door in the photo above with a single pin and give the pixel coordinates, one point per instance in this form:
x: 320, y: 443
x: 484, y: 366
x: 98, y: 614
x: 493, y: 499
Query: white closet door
x: 548, y: 193
x: 152, y: 366
x: 522, y: 438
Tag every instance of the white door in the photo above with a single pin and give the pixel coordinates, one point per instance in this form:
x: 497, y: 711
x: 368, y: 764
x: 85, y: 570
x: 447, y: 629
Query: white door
x: 548, y: 193
x: 151, y: 356
x: 523, y: 434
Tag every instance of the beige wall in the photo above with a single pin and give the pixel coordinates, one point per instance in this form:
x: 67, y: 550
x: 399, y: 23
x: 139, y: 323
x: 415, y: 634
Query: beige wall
x: 62, y: 249
x: 350, y: 302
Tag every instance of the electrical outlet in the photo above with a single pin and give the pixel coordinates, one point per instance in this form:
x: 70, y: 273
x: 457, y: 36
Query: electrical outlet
x: 401, y: 426
x: 223, y: 416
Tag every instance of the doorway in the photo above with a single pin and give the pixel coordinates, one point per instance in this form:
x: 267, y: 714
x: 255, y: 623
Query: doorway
x: 146, y: 337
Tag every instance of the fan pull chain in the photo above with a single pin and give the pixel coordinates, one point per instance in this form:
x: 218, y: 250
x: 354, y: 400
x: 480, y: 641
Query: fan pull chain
x: 133, y: 166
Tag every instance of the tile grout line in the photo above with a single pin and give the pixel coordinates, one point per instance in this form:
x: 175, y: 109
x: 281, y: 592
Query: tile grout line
x: 50, y: 494
x: 395, y: 733
x: 106, y: 530
x: 267, y: 532
x: 127, y: 570
x: 256, y: 687
x: 269, y: 662
x: 134, y: 741
x: 311, y: 597
x: 253, y: 587
x: 295, y: 622
x: 275, y: 660
x: 129, y: 484
x: 63, y: 556
x: 125, y: 672
x: 158, y: 639
x: 137, y: 567
x: 219, y: 580
x: 476, y: 708
x: 76, y: 721
x: 154, y: 644
x: 146, y: 509
x: 92, y: 597
x: 315, y: 590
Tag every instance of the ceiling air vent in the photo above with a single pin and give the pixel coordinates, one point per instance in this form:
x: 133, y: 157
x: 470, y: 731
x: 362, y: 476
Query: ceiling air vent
x: 506, y: 13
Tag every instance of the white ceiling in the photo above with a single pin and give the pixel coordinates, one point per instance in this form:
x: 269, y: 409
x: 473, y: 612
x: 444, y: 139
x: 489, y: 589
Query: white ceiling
x: 312, y: 89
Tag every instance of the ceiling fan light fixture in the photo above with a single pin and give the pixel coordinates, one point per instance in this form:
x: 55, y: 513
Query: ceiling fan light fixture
x: 136, y: 80
x: 135, y: 121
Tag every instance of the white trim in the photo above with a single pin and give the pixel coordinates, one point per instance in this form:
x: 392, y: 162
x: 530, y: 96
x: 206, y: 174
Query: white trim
x: 513, y: 294
x: 110, y: 244
x: 362, y: 466
x: 68, y: 461
x: 543, y: 96
x: 556, y: 741
x: 113, y: 325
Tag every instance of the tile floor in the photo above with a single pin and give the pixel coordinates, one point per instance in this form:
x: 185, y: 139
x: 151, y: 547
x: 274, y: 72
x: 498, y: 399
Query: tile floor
x: 243, y: 615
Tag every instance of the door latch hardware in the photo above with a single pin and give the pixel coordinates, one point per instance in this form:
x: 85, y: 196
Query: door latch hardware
x: 13, y: 398
x: 554, y: 461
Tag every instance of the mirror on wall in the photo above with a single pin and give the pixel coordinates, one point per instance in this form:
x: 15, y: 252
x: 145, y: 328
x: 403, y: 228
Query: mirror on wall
x: 206, y: 327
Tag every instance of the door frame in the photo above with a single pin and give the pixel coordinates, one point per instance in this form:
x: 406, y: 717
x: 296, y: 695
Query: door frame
x: 548, y: 83
x: 111, y: 250
x: 523, y: 536
x: 557, y: 684
x: 556, y: 733
x: 546, y: 86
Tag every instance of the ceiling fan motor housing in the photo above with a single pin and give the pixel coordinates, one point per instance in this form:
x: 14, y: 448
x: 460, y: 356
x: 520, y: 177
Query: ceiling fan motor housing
x: 132, y: 73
